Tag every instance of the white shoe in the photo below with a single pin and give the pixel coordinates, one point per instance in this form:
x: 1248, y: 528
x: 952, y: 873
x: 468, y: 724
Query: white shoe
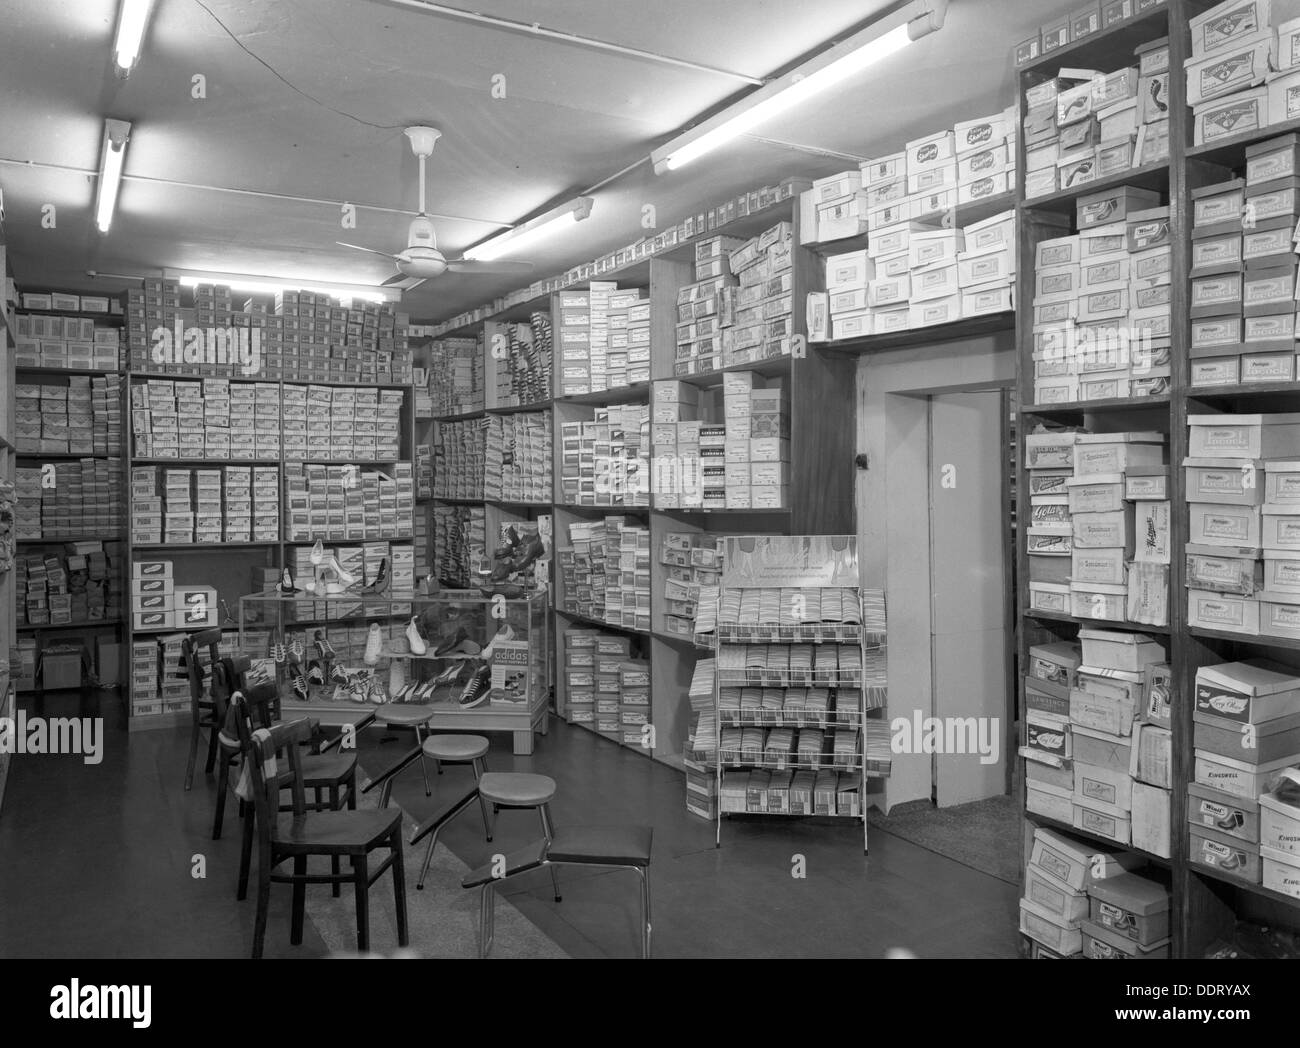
x: 396, y: 677
x: 418, y: 647
x: 318, y: 553
x: 503, y: 634
x: 345, y: 577
x: 374, y: 645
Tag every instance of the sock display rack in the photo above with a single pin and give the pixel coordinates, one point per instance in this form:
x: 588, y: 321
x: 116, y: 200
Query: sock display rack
x: 660, y: 367
x: 8, y: 604
x: 70, y: 520
x: 1156, y: 347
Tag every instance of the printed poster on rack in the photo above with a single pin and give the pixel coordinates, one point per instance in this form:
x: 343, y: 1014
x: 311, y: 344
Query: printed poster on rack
x: 510, y: 674
x: 790, y: 561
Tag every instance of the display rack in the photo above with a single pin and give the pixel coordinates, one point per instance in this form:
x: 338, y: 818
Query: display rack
x: 1206, y: 904
x: 8, y: 610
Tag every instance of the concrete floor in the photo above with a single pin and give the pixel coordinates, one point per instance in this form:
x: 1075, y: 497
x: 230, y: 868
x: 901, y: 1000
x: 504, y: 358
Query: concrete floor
x: 100, y: 861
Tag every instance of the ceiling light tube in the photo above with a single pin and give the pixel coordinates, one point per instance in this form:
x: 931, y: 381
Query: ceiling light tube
x: 132, y: 20
x: 548, y: 224
x: 882, y: 38
x: 112, y: 157
x: 267, y: 285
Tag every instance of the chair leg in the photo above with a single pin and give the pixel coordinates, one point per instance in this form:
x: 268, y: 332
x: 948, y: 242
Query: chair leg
x: 479, y: 768
x: 299, y: 899
x: 351, y: 784
x: 195, y: 733
x: 486, y: 916
x: 212, y: 751
x: 645, y: 912
x: 399, y: 887
x: 336, y: 887
x: 491, y: 820
x: 428, y: 860
x: 245, y: 854
x: 223, y: 779
x: 361, y: 882
x: 424, y: 764
x: 548, y: 831
x: 263, y: 905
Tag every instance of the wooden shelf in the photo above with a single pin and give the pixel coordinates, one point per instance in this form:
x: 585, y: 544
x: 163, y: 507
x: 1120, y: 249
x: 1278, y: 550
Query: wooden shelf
x: 138, y: 461
x: 1148, y: 176
x: 1086, y: 407
x: 181, y: 547
x: 768, y: 368
x: 81, y: 314
x: 619, y: 395
x: 577, y: 617
x: 965, y: 215
x: 508, y: 504
x: 579, y: 508
x: 1241, y: 392
x: 1245, y: 638
x: 967, y: 327
x: 66, y: 456
x: 86, y: 624
x: 458, y: 501
x: 468, y: 416
x: 57, y: 541
x: 1231, y: 152
x: 1110, y: 845
x: 1253, y: 889
x: 1135, y: 627
x: 693, y: 511
x: 53, y: 372
x: 515, y: 409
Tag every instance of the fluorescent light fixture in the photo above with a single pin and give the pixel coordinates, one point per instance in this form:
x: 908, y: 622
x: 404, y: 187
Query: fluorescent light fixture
x: 132, y: 20
x: 882, y: 38
x: 267, y: 285
x: 554, y: 221
x: 112, y: 156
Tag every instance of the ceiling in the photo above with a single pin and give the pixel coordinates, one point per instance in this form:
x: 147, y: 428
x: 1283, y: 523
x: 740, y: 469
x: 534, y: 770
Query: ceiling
x: 360, y: 70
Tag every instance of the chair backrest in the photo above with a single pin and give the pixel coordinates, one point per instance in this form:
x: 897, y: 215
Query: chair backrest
x: 269, y: 771
x: 191, y: 652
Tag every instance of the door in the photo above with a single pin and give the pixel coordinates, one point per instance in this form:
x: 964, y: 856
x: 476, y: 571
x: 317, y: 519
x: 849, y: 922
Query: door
x: 968, y: 595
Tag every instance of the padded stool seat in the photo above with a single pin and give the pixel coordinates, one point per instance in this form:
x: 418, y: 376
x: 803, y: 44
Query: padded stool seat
x: 405, y: 714
x: 516, y: 789
x: 602, y: 845
x: 453, y: 748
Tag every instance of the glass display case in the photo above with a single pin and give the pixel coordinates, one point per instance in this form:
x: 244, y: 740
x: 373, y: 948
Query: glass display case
x: 481, y: 663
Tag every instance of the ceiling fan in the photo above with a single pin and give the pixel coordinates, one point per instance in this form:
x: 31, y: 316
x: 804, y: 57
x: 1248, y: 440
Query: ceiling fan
x: 421, y: 260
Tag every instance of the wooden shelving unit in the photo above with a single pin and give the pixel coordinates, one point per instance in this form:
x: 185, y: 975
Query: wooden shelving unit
x: 1206, y: 903
x: 8, y: 609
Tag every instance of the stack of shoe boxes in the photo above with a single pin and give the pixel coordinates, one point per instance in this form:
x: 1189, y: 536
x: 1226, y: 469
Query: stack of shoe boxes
x: 459, y: 543
x: 459, y: 459
x: 146, y: 698
x: 675, y: 444
x: 605, y: 572
x: 456, y: 380
x: 517, y: 458
x: 762, y: 322
x: 607, y: 688
x: 1120, y: 532
x: 66, y: 342
x: 174, y: 689
x: 230, y: 504
x: 82, y: 418
x: 755, y: 452
x: 1049, y: 460
x: 523, y: 355
x: 1246, y: 733
x: 157, y: 306
x: 1231, y: 84
x: 1049, y: 771
x: 70, y: 499
x: 1244, y: 272
x: 211, y: 419
x: 1243, y: 552
x: 424, y: 471
x: 705, y: 306
x: 1088, y: 124
x: 158, y: 602
x: 575, y: 342
x: 606, y: 462
x: 1059, y: 875
x: 342, y: 503
x: 343, y: 424
x: 692, y: 562
x: 323, y: 341
x: 628, y: 359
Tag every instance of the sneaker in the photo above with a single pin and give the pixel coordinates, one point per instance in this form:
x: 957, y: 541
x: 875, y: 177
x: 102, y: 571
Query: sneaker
x: 297, y: 650
x: 374, y: 645
x: 278, y: 652
x: 340, y: 693
x: 413, y: 638
x: 396, y: 678
x: 300, y: 687
x: 375, y: 692
x: 503, y: 634
x: 458, y: 644
x: 315, y: 675
x: 323, y: 645
x: 477, y: 689
x: 338, y: 674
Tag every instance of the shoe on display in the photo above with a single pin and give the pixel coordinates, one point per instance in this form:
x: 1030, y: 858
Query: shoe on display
x: 375, y: 691
x: 382, y: 580
x: 297, y: 650
x: 503, y: 634
x: 300, y: 687
x: 396, y: 678
x: 374, y: 645
x: 532, y: 549
x: 509, y: 590
x: 286, y: 588
x: 340, y: 693
x: 344, y: 576
x: 315, y: 674
x: 413, y: 638
x: 458, y: 643
x: 512, y: 545
x: 449, y: 675
x: 318, y: 553
x: 477, y: 688
x: 278, y: 652
x: 323, y: 645
x: 339, y: 674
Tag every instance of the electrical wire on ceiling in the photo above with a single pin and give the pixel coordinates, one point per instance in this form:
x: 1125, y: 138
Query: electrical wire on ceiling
x: 289, y: 84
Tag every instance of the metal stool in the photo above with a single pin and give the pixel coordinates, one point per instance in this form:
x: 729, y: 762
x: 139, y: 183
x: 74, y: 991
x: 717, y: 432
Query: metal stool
x: 520, y: 790
x: 406, y: 715
x: 455, y: 749
x: 610, y: 847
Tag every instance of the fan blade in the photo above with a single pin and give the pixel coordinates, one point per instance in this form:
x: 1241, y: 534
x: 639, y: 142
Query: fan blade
x: 403, y: 282
x: 371, y: 250
x: 467, y: 265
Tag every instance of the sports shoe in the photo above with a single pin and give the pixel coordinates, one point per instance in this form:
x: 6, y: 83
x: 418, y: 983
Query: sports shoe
x: 340, y: 693
x: 375, y: 691
x: 396, y: 678
x: 278, y: 652
x: 297, y: 650
x: 318, y: 553
x: 503, y: 634
x: 374, y: 645
x: 338, y: 674
x: 323, y: 646
x: 477, y: 688
x: 315, y: 674
x: 458, y: 644
x: 511, y: 545
x: 300, y: 687
x: 418, y: 647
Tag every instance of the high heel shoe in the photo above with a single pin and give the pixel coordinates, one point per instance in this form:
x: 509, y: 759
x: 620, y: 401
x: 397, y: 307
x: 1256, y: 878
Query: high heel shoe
x: 345, y: 577
x: 286, y: 588
x: 318, y: 553
x: 382, y: 581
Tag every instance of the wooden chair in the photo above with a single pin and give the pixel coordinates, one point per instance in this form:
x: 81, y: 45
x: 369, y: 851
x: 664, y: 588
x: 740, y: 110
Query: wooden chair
x: 203, y: 711
x: 336, y: 834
